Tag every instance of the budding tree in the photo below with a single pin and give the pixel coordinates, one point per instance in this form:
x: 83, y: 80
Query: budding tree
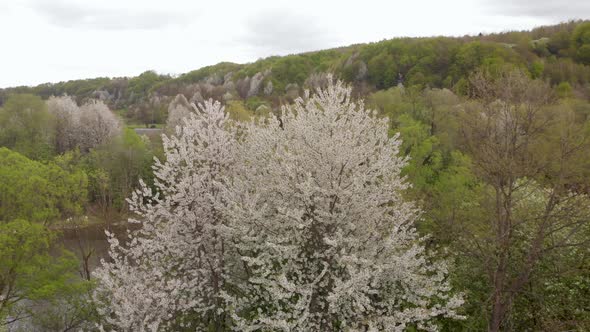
x: 171, y: 272
x: 519, y: 139
x: 326, y: 239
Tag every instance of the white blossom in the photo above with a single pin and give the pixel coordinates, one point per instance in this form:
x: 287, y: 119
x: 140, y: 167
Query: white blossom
x: 319, y: 219
x: 67, y: 120
x: 84, y: 127
x: 178, y: 110
x: 173, y: 267
x: 97, y: 125
x: 290, y: 224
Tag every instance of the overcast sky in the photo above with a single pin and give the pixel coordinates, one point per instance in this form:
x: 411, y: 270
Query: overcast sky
x: 57, y: 40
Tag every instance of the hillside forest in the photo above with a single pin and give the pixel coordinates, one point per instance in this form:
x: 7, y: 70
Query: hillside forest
x: 437, y: 184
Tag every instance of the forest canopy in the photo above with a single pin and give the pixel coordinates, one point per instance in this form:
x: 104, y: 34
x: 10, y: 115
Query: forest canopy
x: 436, y: 183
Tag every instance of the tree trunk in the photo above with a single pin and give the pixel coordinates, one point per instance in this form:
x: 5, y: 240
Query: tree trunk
x: 503, y: 224
x: 498, y: 301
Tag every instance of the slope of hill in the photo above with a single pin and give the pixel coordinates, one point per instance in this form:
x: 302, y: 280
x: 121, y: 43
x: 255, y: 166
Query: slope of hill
x: 557, y: 53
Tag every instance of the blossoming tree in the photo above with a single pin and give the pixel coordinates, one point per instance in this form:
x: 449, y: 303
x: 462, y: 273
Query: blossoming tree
x: 290, y: 224
x: 327, y: 239
x: 170, y: 273
x: 84, y: 127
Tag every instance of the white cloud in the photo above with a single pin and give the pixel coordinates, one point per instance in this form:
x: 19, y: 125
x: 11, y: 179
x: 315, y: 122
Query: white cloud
x: 110, y: 16
x: 282, y: 31
x: 560, y: 10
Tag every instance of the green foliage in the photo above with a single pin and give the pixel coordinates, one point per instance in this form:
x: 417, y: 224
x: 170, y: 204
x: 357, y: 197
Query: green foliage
x: 389, y: 102
x: 458, y: 204
x: 566, y: 70
x: 421, y: 147
x: 139, y: 86
x: 581, y: 43
x: 70, y: 309
x: 198, y: 75
x: 27, y: 270
x: 561, y: 286
x: 461, y: 87
x: 253, y: 103
x: 441, y: 62
x: 424, y: 61
x: 237, y: 111
x: 537, y: 69
x: 27, y: 127
x: 114, y: 170
x: 440, y: 174
x: 383, y: 71
x: 473, y: 55
x: 406, y: 80
x: 38, y: 192
x: 583, y: 54
x: 539, y: 46
x: 559, y: 43
x: 564, y: 90
x: 291, y: 69
x: 82, y: 89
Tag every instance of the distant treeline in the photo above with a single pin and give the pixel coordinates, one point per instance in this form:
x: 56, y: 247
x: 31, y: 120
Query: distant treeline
x: 559, y: 54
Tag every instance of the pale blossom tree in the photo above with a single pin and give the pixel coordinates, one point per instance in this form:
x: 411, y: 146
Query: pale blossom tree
x: 67, y: 122
x: 326, y: 239
x: 171, y: 272
x: 84, y: 127
x: 178, y: 110
x: 296, y: 224
x: 97, y: 125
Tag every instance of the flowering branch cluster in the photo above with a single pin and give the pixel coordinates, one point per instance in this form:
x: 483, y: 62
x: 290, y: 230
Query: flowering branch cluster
x: 294, y: 223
